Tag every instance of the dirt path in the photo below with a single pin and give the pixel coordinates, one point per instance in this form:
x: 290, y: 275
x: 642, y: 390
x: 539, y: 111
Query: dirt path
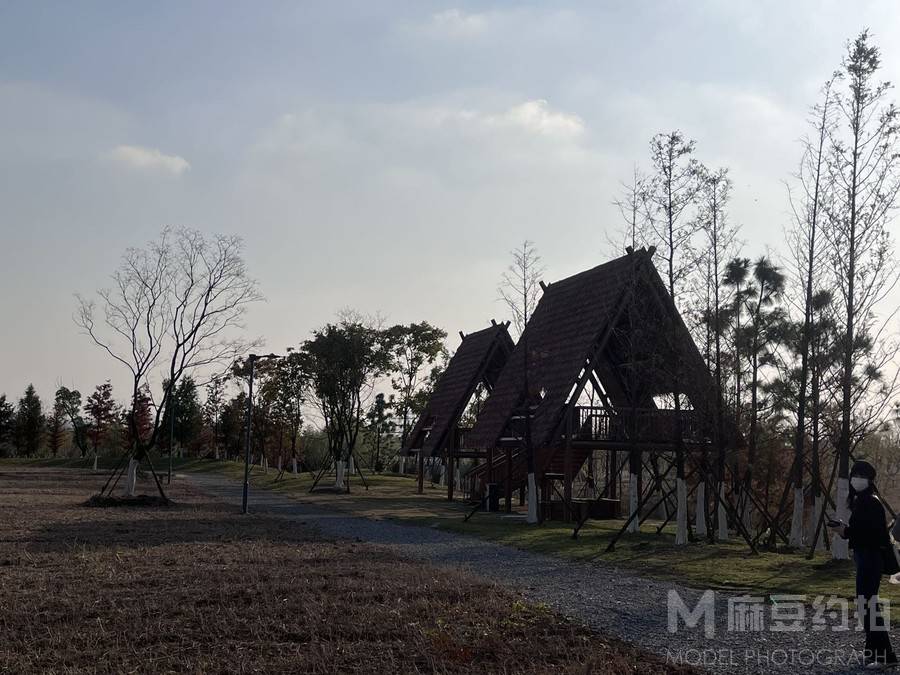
x: 614, y: 601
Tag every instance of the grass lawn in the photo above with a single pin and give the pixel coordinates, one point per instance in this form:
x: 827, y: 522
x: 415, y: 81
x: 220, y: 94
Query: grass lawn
x: 718, y: 566
x: 198, y: 588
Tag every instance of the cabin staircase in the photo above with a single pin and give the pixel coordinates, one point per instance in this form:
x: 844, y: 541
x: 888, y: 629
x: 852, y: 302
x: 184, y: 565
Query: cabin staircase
x: 548, y: 462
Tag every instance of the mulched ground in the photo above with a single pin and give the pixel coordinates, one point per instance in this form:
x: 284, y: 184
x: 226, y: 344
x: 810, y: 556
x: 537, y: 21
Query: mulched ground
x: 196, y: 587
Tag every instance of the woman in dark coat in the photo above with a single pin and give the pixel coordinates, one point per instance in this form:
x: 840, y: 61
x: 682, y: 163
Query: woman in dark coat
x: 868, y: 535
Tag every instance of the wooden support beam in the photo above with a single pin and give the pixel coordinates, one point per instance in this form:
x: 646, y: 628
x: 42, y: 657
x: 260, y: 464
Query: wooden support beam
x: 567, y: 469
x: 545, y: 495
x: 489, y: 473
x: 509, y: 480
x: 612, y: 476
x: 451, y: 475
x: 421, y: 472
x: 471, y: 454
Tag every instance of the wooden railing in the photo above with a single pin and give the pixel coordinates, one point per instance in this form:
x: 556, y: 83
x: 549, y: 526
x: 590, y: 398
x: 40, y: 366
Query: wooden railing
x: 645, y: 425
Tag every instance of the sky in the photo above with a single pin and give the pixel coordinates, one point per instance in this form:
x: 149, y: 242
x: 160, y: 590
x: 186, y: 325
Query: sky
x: 381, y: 156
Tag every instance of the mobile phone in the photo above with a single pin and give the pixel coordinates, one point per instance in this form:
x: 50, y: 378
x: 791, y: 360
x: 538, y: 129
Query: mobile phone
x: 834, y: 523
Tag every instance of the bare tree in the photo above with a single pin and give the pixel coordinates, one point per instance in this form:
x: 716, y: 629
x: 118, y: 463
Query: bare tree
x: 175, y: 307
x: 520, y: 286
x: 212, y: 409
x: 520, y: 289
x: 764, y: 333
x: 863, y: 163
x: 672, y: 190
x: 633, y: 207
x: 713, y: 196
x: 813, y: 191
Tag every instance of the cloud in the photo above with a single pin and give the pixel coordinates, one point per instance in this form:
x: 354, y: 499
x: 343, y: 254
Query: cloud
x: 148, y: 159
x: 455, y: 24
x: 537, y: 117
x: 444, y: 141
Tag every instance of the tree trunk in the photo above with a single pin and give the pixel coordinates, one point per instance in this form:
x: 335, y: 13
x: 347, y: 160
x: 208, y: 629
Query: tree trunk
x: 722, y: 514
x: 813, y: 523
x: 339, y: 474
x: 840, y: 547
x: 700, y: 515
x: 681, y: 537
x: 131, y: 478
x: 796, y: 538
x: 532, y: 499
x: 633, y: 499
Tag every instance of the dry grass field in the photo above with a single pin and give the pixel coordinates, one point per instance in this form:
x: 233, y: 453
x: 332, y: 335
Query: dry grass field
x: 199, y: 588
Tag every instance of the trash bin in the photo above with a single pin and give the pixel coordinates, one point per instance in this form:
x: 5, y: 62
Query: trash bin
x: 493, y: 496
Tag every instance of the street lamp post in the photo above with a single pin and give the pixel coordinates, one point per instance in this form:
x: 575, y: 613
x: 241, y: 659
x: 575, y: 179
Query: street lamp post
x: 252, y: 359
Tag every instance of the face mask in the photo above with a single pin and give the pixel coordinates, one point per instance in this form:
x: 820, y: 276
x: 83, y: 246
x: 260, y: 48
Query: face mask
x: 859, y: 484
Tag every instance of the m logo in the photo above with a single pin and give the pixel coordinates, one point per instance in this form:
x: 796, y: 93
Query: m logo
x: 705, y: 609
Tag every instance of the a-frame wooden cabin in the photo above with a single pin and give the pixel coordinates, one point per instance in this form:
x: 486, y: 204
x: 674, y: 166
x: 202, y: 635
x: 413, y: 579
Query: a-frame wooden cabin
x: 478, y: 360
x: 604, y: 349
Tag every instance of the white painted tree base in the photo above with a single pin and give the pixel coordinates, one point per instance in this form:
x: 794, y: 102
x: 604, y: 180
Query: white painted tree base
x: 722, y: 517
x: 294, y: 465
x: 840, y: 547
x: 700, y: 513
x: 339, y: 475
x: 635, y: 524
x: 265, y: 464
x: 131, y: 479
x: 532, y: 499
x: 681, y: 515
x: 95, y: 461
x: 796, y: 538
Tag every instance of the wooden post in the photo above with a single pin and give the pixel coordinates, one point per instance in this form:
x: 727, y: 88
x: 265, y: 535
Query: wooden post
x: 509, y: 480
x: 490, y: 465
x: 421, y: 469
x: 451, y: 475
x: 545, y: 496
x: 613, y: 461
x: 567, y: 469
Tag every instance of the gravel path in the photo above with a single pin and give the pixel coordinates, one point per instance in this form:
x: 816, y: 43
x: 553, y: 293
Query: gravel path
x: 612, y: 600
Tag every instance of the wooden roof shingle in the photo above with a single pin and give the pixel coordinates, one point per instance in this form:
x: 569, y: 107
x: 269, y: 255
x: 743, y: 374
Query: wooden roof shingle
x: 479, y: 358
x: 572, y: 320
